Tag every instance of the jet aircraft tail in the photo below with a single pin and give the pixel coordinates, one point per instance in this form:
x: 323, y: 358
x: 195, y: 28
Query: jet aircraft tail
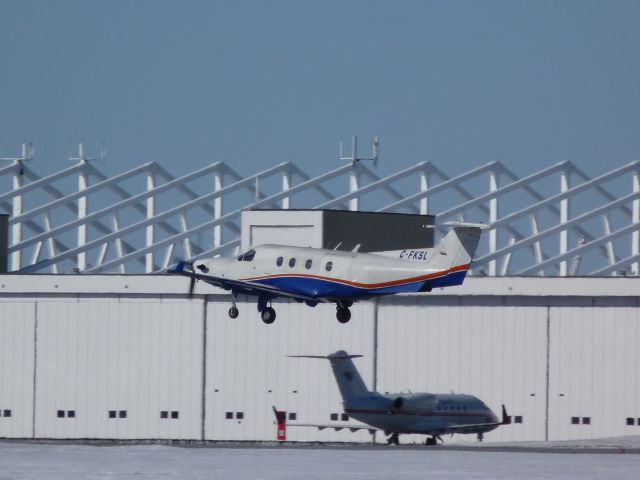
x: 347, y: 376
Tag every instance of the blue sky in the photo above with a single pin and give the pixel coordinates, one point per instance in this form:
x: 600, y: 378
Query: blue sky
x: 255, y: 83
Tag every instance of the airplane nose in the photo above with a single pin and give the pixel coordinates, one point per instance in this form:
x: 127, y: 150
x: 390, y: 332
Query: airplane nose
x: 494, y: 417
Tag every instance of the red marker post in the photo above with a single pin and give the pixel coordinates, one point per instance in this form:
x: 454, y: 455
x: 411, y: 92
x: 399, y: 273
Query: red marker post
x: 281, y: 420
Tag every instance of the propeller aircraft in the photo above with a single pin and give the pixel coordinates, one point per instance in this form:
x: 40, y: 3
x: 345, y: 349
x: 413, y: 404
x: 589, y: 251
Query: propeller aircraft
x: 313, y: 275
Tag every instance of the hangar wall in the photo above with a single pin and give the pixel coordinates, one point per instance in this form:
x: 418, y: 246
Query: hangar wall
x: 129, y: 357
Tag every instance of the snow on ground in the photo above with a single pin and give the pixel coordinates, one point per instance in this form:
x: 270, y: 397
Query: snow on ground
x: 30, y: 461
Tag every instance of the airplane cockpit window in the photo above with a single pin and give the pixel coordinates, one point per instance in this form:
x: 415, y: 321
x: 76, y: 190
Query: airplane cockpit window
x: 247, y: 257
x: 328, y: 266
x: 279, y: 261
x: 307, y: 264
x: 292, y: 262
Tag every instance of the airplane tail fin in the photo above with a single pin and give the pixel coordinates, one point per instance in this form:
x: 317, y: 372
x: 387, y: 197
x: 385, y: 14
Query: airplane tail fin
x: 347, y: 376
x: 455, y: 251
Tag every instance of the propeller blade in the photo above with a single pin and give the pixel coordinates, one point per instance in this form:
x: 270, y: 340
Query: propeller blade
x: 192, y: 285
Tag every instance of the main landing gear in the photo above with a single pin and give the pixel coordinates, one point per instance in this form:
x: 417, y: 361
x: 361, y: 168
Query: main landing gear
x: 431, y: 441
x: 267, y: 314
x: 393, y: 439
x: 343, y: 314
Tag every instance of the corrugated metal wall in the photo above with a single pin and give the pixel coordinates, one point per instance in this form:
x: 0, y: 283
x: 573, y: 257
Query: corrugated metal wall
x: 128, y: 367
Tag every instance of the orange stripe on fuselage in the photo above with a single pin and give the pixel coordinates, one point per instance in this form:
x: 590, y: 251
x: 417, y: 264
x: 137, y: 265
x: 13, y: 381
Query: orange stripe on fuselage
x: 392, y: 283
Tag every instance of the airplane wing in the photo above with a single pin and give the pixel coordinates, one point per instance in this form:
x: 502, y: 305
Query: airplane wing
x: 336, y: 426
x: 240, y: 286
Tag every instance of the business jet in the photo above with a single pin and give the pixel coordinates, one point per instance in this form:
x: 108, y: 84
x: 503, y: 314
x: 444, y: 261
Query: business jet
x: 429, y: 414
x: 313, y: 275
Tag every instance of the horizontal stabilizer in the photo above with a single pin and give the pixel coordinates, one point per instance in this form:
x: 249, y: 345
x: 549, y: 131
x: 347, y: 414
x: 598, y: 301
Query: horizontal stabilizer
x: 327, y: 357
x: 453, y: 223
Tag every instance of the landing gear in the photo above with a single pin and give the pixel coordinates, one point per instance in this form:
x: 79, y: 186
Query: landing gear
x: 480, y: 436
x: 431, y: 441
x: 393, y: 439
x: 268, y: 315
x: 233, y: 311
x: 343, y: 314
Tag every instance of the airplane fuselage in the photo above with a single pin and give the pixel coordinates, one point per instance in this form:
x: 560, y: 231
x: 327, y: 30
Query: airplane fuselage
x: 319, y: 273
x: 430, y: 414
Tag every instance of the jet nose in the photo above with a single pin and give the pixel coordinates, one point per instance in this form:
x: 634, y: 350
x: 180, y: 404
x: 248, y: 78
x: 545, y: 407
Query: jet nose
x: 493, y: 416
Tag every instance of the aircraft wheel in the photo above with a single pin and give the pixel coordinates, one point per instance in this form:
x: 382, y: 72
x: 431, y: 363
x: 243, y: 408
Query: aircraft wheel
x: 393, y: 439
x: 343, y: 314
x: 233, y: 312
x: 268, y: 315
x: 431, y: 441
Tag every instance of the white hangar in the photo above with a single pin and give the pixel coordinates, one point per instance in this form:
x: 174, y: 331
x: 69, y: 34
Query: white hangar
x: 129, y: 357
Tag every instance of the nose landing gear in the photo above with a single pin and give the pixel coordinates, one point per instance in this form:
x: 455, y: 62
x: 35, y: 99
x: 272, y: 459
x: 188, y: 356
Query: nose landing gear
x: 233, y: 311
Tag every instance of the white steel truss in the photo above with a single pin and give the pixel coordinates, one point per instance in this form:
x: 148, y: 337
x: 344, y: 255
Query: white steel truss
x: 556, y: 221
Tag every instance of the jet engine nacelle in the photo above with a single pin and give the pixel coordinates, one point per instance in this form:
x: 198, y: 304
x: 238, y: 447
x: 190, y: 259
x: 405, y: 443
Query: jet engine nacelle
x: 415, y: 403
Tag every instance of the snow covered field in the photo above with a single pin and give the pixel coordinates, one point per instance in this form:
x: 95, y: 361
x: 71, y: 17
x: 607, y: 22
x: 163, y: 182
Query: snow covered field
x: 26, y: 461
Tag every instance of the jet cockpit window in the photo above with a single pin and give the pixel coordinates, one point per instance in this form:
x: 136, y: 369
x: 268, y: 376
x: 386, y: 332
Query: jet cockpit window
x: 328, y: 266
x: 247, y: 257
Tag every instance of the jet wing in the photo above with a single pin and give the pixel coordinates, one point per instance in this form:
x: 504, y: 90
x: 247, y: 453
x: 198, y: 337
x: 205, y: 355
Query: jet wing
x: 240, y: 286
x: 336, y: 426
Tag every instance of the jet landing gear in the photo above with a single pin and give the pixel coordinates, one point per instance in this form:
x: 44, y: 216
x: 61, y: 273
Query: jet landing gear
x: 393, y: 439
x: 343, y: 314
x: 431, y: 441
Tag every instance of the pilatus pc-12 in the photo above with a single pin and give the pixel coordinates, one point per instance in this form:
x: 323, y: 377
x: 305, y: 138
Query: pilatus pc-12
x: 313, y: 275
x: 431, y: 414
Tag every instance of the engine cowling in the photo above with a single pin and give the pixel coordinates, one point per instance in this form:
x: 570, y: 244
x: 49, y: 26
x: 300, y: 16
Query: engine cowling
x: 415, y: 403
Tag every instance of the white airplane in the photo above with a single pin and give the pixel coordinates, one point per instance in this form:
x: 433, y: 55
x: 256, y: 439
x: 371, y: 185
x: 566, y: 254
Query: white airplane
x: 430, y: 414
x: 313, y: 275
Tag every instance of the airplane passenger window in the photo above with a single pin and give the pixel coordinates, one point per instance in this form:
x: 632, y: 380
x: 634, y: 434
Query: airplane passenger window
x: 292, y: 262
x: 307, y: 264
x: 279, y: 261
x: 328, y: 266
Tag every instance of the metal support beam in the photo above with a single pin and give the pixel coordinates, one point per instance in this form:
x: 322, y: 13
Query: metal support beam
x: 493, y: 217
x: 286, y: 185
x: 424, y: 187
x: 151, y: 212
x: 564, y: 218
x: 635, y: 220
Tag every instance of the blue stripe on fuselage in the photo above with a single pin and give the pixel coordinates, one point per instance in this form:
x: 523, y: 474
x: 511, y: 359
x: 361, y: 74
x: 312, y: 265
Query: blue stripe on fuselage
x: 316, y: 287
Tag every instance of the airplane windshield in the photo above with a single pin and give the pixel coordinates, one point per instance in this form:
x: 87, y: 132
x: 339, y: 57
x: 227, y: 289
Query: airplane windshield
x: 247, y: 257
